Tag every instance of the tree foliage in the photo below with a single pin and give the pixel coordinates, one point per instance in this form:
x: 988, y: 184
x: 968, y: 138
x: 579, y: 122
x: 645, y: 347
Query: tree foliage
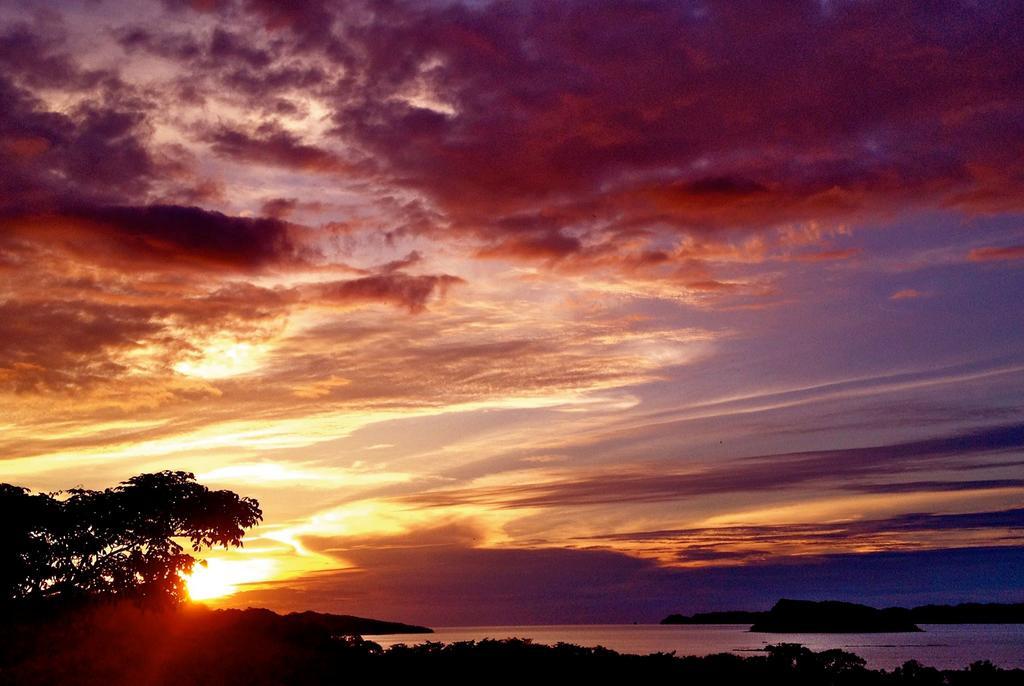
x: 125, y: 541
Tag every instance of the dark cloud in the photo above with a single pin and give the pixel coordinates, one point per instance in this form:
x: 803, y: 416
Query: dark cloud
x: 258, y: 72
x: 177, y: 46
x: 225, y: 45
x: 33, y: 54
x: 723, y: 186
x: 256, y: 85
x: 169, y: 236
x: 842, y: 467
x: 273, y: 146
x: 404, y: 290
x: 95, y: 150
x: 70, y: 133
x: 279, y: 207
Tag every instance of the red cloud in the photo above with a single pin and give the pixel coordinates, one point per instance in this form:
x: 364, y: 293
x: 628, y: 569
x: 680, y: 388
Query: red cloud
x: 658, y: 115
x: 991, y: 254
x: 403, y: 290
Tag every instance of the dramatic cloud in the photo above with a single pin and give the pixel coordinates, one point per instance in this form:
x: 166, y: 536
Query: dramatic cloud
x: 546, y: 310
x: 542, y: 142
x: 650, y: 118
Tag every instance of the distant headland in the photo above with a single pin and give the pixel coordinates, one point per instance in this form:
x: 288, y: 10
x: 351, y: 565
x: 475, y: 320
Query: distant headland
x: 804, y: 616
x: 349, y: 625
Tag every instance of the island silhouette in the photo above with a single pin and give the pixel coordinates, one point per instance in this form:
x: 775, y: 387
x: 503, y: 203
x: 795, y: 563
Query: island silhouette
x: 831, y: 616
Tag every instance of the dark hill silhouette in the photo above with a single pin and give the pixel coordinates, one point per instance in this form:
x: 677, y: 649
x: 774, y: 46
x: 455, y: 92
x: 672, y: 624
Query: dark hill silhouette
x: 832, y: 617
x: 349, y: 625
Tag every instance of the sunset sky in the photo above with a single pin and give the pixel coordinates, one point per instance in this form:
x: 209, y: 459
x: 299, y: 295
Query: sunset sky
x: 529, y: 312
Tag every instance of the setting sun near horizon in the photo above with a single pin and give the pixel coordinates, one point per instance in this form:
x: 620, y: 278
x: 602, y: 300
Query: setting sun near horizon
x: 216, y: 578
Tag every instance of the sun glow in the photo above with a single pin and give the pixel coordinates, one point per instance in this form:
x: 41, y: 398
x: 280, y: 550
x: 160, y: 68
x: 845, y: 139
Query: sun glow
x: 223, y: 359
x: 220, y: 578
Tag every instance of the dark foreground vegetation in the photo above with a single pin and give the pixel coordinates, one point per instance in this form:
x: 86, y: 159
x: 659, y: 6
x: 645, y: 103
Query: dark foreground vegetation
x: 123, y: 643
x: 838, y: 617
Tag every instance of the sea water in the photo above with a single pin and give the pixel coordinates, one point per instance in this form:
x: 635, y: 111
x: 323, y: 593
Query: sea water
x: 945, y: 646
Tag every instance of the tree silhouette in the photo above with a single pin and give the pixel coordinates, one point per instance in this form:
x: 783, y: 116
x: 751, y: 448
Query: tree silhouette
x: 118, y: 542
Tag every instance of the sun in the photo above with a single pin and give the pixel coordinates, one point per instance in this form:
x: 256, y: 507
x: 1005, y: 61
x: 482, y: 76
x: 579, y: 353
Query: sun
x: 222, y: 359
x: 206, y: 582
x: 218, y: 578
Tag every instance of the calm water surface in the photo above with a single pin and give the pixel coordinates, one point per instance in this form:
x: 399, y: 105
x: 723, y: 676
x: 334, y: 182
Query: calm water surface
x: 946, y: 646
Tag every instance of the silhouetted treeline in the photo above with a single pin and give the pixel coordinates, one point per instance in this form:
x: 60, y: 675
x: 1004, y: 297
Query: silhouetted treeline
x: 786, y: 614
x: 122, y: 644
